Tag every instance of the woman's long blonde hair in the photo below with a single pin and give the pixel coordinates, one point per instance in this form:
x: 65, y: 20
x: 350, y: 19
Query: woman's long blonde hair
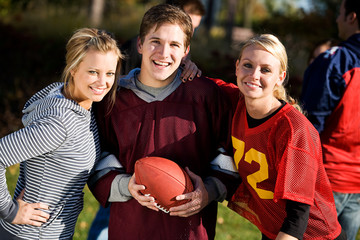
x: 273, y: 45
x: 79, y: 44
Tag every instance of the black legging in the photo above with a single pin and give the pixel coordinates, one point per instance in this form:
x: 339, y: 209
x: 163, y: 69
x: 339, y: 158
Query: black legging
x: 8, y: 236
x: 342, y: 236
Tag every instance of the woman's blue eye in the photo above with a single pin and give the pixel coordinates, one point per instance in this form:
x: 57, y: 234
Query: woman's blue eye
x: 247, y: 65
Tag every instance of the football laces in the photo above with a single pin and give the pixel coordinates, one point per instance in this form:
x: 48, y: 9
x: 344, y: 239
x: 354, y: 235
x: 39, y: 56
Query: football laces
x: 158, y: 206
x: 161, y: 208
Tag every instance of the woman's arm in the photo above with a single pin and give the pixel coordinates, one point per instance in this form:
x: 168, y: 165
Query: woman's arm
x: 296, y: 221
x: 284, y: 236
x: 34, y: 140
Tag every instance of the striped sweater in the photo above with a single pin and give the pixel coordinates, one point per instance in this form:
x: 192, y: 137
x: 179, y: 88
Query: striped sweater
x: 56, y: 150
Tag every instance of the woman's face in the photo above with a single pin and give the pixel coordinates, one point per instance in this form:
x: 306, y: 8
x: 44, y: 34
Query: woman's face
x: 94, y: 77
x: 258, y: 71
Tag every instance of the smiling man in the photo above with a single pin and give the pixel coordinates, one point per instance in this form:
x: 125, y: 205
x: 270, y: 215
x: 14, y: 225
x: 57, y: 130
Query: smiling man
x: 162, y: 49
x: 155, y: 114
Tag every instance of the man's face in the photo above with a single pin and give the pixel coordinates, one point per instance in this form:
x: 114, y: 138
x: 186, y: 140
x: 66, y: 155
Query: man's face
x: 195, y: 19
x: 162, y: 52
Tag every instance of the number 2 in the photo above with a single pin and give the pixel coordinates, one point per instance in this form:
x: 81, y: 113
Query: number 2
x: 261, y: 175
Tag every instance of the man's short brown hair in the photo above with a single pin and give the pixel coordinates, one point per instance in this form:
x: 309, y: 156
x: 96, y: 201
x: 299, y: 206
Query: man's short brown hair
x: 165, y: 13
x: 192, y: 7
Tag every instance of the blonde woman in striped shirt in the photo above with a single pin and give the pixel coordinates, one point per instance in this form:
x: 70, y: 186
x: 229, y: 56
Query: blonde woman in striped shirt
x: 59, y: 144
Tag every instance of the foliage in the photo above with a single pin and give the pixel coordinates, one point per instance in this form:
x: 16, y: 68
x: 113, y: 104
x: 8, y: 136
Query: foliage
x: 281, y: 7
x: 323, y: 7
x: 4, y: 7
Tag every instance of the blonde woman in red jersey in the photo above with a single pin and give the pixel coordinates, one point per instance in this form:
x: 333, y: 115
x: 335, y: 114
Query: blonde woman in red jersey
x: 285, y: 191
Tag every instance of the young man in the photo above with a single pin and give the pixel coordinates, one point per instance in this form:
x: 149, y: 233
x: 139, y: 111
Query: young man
x: 155, y: 114
x: 196, y: 10
x: 331, y: 98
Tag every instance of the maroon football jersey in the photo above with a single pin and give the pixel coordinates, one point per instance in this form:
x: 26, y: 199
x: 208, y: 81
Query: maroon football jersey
x: 187, y: 127
x: 281, y: 160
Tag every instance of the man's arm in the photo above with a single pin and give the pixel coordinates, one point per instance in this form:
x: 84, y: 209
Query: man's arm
x: 108, y: 167
x: 213, y: 187
x: 119, y: 187
x: 323, y: 86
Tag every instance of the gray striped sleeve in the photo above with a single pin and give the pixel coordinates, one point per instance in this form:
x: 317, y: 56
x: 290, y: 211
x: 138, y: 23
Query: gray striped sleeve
x: 36, y: 139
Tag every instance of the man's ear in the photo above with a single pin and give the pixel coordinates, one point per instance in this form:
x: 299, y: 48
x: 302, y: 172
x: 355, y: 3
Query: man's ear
x: 139, y: 45
x: 352, y: 17
x: 187, y: 50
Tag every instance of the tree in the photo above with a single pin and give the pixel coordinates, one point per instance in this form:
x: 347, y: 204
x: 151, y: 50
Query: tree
x: 326, y: 7
x: 247, y: 11
x: 230, y: 19
x: 96, y: 12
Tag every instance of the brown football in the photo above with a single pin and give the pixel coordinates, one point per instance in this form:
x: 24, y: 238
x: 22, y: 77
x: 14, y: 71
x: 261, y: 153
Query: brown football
x: 163, y: 180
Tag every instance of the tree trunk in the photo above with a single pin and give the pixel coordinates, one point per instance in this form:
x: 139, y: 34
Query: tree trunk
x: 96, y: 12
x: 248, y: 8
x: 231, y: 18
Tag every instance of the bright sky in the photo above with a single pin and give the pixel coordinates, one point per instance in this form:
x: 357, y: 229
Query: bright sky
x: 305, y: 4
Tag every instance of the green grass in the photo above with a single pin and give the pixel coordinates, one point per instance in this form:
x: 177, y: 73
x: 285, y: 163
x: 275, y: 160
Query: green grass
x: 230, y: 226
x: 87, y: 215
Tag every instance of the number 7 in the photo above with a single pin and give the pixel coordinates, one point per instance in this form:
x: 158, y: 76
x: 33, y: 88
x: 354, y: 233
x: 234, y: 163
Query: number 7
x: 261, y: 175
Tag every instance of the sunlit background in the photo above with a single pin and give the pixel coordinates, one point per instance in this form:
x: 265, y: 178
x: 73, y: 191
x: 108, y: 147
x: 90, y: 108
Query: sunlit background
x: 33, y: 34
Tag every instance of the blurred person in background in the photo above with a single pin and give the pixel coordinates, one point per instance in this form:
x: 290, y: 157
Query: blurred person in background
x: 320, y: 48
x: 331, y: 99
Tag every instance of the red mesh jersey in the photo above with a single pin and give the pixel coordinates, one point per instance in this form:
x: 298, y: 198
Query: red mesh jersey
x: 278, y: 160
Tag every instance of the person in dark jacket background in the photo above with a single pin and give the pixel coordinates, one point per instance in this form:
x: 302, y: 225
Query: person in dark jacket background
x: 331, y: 99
